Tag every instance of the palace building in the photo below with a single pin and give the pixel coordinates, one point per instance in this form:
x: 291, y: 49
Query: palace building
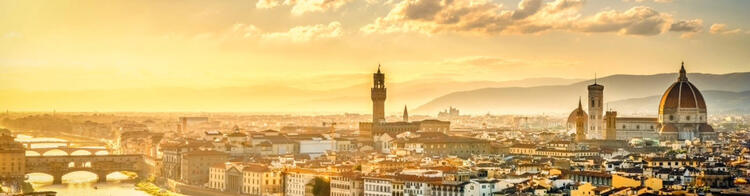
x: 369, y: 130
x: 682, y: 116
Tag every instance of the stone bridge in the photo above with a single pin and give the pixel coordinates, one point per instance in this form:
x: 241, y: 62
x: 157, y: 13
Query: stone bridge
x: 101, y: 165
x: 27, y: 144
x: 68, y: 150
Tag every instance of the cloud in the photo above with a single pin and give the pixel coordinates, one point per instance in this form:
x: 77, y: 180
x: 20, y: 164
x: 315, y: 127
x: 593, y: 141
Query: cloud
x: 722, y: 29
x: 300, y: 7
x: 635, y: 21
x: 307, y: 33
x: 656, y: 1
x: 485, y: 17
x: 296, y: 34
x: 245, y: 30
x: 688, y: 27
x: 472, y: 16
x: 527, y: 8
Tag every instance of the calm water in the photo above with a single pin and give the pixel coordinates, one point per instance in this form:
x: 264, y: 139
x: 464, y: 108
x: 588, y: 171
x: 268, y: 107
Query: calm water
x: 80, y: 182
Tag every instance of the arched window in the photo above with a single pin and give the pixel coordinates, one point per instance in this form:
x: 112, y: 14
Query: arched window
x: 671, y: 118
x: 688, y: 117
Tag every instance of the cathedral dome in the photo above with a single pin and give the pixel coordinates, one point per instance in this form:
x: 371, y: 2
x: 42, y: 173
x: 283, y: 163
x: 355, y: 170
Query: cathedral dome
x: 682, y: 95
x: 577, y: 113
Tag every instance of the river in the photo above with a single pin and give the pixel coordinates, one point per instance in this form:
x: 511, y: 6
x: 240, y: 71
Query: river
x: 80, y: 182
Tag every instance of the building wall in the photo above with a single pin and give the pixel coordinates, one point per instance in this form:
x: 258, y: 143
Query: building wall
x: 195, y: 168
x: 377, y: 187
x: 295, y: 182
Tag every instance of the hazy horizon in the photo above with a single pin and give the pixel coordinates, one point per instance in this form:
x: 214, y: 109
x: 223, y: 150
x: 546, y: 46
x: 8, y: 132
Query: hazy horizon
x: 155, y: 56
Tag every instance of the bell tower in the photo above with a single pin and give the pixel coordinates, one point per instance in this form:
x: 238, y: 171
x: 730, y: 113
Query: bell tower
x: 596, y: 99
x: 377, y: 93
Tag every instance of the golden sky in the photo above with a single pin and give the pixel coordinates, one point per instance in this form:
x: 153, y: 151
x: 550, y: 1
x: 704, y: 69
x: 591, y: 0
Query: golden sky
x: 329, y: 44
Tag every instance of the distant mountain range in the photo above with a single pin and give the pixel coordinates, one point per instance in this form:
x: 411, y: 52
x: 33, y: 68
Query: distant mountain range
x: 628, y: 94
x: 716, y: 101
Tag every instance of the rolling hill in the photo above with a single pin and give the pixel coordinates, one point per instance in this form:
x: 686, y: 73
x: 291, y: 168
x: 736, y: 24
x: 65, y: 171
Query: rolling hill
x: 626, y: 93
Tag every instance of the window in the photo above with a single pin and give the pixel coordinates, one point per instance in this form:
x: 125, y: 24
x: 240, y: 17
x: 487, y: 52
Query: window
x: 687, y: 118
x: 671, y: 118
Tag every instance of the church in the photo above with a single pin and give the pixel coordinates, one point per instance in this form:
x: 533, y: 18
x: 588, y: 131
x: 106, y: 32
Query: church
x: 682, y: 116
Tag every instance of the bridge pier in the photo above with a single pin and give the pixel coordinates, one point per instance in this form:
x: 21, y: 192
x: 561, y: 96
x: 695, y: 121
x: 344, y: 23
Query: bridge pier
x: 57, y: 178
x: 102, y: 177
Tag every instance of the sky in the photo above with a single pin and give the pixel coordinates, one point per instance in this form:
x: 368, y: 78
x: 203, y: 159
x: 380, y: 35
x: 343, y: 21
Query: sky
x: 328, y: 44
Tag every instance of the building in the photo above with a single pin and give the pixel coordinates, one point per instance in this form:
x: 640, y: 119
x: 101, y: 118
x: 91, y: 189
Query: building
x: 195, y: 165
x: 378, y: 95
x: 682, y: 112
x: 434, y: 144
x: 682, y: 116
x: 596, y: 110
x: 245, y: 179
x: 297, y: 181
x: 593, y: 177
x: 448, y: 114
x: 578, y: 118
x: 172, y: 158
x: 12, y: 159
x: 379, y: 186
x: 260, y: 180
x: 226, y: 177
x: 628, y: 128
x: 449, y: 188
x: 610, y: 132
x: 369, y: 130
x: 187, y: 124
x: 347, y: 184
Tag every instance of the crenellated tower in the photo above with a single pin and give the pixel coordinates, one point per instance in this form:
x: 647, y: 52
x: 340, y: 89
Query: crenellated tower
x: 377, y: 93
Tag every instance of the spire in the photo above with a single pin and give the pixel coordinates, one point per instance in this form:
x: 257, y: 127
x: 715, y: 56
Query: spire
x: 594, y: 77
x: 579, y: 103
x: 378, y: 67
x: 406, y: 114
x: 683, y: 73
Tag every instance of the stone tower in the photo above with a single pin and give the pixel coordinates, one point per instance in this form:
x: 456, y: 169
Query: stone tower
x: 406, y: 115
x: 611, y: 131
x: 580, y: 123
x: 377, y: 93
x: 596, y: 110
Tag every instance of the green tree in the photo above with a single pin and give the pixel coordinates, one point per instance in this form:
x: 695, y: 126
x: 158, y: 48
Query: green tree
x: 321, y: 187
x: 27, y: 188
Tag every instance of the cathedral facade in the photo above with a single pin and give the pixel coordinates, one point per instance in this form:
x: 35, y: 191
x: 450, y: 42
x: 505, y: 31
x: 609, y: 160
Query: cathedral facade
x: 682, y: 116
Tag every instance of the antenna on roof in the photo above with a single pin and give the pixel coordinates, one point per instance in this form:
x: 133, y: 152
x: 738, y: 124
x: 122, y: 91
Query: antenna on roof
x: 594, y: 77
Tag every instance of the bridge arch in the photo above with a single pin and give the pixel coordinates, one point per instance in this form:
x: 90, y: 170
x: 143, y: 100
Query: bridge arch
x: 32, y: 153
x: 81, y: 176
x: 121, y: 175
x: 54, y: 152
x: 40, y: 177
x: 81, y: 152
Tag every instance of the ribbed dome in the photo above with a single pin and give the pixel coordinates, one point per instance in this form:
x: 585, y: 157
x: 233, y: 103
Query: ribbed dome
x: 578, y: 113
x: 682, y: 95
